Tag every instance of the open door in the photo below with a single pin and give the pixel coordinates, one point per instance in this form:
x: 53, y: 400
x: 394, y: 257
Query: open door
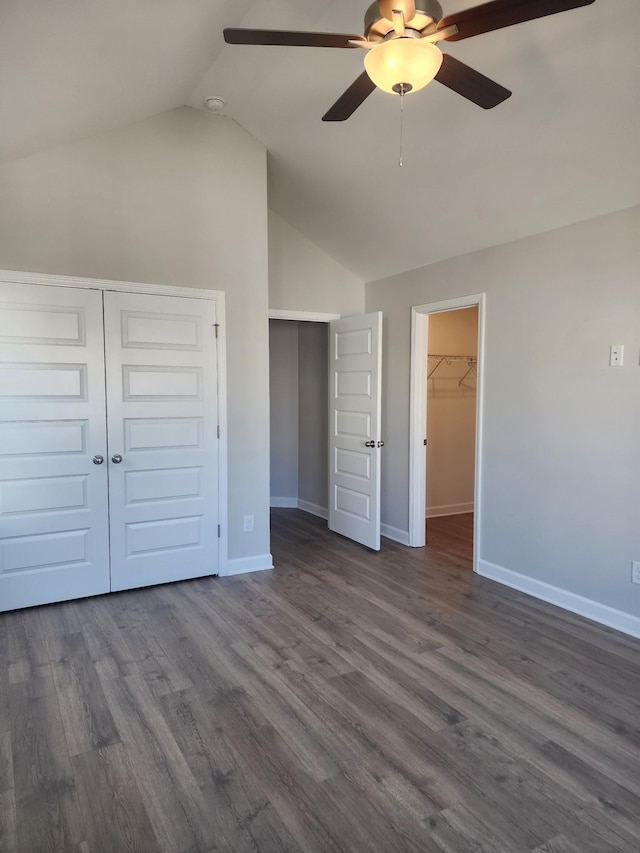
x: 355, y: 374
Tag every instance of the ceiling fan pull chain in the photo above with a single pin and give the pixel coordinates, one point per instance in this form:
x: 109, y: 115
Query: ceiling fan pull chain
x: 401, y: 160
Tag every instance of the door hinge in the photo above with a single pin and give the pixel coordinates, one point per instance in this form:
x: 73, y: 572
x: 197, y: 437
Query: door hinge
x: 218, y: 531
x: 216, y: 326
x: 218, y: 430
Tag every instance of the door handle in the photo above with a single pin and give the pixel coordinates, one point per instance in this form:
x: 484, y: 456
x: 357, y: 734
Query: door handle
x: 369, y: 444
x: 381, y: 444
x: 97, y: 459
x: 116, y: 458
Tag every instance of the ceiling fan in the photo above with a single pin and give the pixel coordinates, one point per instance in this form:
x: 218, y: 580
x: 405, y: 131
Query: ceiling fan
x: 400, y: 38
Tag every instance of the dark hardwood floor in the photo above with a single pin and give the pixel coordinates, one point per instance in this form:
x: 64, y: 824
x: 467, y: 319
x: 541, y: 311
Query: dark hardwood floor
x: 451, y: 537
x: 347, y: 701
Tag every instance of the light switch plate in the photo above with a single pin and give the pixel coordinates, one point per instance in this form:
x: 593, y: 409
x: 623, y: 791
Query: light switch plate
x: 616, y: 355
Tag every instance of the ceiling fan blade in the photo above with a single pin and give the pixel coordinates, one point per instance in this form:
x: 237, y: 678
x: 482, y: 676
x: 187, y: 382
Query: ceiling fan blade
x: 292, y: 39
x: 470, y: 84
x: 504, y: 13
x: 388, y: 7
x: 350, y: 100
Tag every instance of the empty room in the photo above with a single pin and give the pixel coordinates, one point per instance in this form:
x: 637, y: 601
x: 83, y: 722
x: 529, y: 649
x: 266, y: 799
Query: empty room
x: 319, y: 415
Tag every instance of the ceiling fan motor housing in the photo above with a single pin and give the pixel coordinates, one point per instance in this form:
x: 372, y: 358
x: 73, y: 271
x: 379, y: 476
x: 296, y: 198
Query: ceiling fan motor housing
x: 376, y: 27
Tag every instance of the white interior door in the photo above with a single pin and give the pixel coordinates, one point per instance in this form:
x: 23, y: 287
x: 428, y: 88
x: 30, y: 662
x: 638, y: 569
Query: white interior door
x: 53, y: 498
x: 355, y: 374
x: 162, y: 438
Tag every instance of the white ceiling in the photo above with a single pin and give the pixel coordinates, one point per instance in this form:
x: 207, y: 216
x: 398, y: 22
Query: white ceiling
x: 563, y: 148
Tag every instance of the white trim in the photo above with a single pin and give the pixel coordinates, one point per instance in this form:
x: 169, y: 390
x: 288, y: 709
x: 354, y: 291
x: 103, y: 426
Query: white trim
x: 297, y: 503
x: 223, y: 494
x: 286, y: 503
x: 448, y: 509
x: 303, y: 316
x: 313, y: 509
x: 19, y: 277
x: 417, y: 428
x: 389, y: 532
x: 218, y: 296
x: 241, y: 565
x: 454, y: 304
x: 602, y: 613
x: 417, y: 416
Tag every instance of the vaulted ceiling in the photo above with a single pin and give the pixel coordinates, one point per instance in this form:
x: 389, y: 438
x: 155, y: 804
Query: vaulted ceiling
x: 562, y: 149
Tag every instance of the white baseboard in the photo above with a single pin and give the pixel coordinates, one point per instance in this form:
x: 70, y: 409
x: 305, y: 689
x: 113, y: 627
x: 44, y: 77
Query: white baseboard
x: 314, y: 509
x: 448, y: 509
x: 389, y: 532
x: 286, y: 503
x: 602, y: 613
x: 240, y: 565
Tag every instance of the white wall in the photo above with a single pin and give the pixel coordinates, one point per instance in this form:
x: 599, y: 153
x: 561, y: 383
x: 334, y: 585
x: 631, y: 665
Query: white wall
x: 451, y: 413
x: 284, y: 405
x: 561, y: 457
x: 178, y: 199
x: 313, y: 423
x: 304, y: 278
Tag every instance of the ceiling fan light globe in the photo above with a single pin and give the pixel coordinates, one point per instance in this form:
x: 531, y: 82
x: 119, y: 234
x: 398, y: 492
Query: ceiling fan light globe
x: 407, y: 61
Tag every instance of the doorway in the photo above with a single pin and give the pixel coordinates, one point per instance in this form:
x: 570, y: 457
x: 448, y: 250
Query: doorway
x: 452, y: 346
x: 446, y: 423
x: 338, y: 430
x: 298, y: 386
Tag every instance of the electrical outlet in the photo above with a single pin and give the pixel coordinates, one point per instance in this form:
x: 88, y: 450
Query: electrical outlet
x: 248, y: 524
x: 635, y: 571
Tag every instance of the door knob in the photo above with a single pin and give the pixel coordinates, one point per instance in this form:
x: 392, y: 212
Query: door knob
x: 116, y: 458
x: 98, y: 460
x: 381, y: 444
x: 369, y: 444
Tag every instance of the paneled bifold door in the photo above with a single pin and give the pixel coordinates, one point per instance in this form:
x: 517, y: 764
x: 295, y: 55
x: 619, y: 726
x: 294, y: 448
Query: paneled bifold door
x: 85, y: 509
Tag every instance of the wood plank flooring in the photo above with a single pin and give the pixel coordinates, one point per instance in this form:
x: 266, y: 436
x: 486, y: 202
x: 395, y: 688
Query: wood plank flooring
x: 345, y: 702
x: 451, y: 537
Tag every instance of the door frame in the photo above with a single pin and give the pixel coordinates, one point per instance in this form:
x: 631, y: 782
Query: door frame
x: 418, y: 416
x: 217, y: 296
x: 302, y: 316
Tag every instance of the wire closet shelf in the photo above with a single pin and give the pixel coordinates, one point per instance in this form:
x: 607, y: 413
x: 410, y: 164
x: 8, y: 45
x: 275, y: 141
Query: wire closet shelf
x: 437, y: 360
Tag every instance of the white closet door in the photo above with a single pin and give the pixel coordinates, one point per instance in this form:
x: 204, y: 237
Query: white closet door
x: 355, y: 371
x: 161, y: 421
x: 53, y: 498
